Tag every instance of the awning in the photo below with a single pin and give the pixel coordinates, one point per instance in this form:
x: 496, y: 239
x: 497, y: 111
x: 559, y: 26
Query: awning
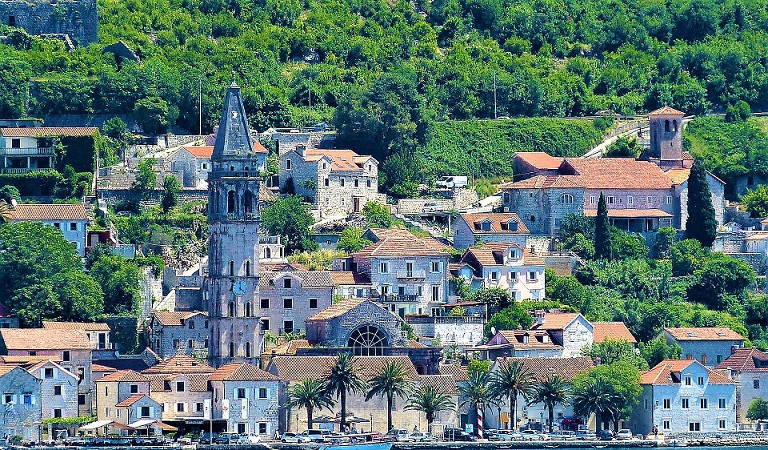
x: 630, y: 213
x: 152, y: 422
x: 165, y: 427
x: 142, y: 423
x: 95, y: 425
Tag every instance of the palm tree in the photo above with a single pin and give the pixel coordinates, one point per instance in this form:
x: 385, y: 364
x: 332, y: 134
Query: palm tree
x: 430, y: 401
x: 509, y: 381
x: 595, y: 396
x: 309, y: 394
x: 550, y: 392
x: 475, y: 392
x: 341, y: 379
x: 391, y: 381
x: 5, y: 212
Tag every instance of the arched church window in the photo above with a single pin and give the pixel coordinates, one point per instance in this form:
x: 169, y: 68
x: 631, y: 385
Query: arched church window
x: 231, y: 349
x: 367, y: 341
x: 231, y: 268
x: 674, y: 125
x: 248, y: 201
x: 666, y: 126
x: 231, y: 201
x: 248, y: 309
x: 267, y: 253
x: 248, y: 268
x: 231, y: 309
x: 247, y: 349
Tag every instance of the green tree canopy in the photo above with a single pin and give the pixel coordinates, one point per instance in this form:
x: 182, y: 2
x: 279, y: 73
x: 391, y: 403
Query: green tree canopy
x: 289, y: 218
x: 603, y: 249
x: 657, y: 350
x: 701, y: 223
x: 614, y: 350
x: 171, y: 189
x: 351, y: 240
x: 757, y: 410
x: 119, y: 278
x: 510, y: 318
x: 756, y: 201
x: 609, y: 390
x: 623, y: 147
x: 377, y: 215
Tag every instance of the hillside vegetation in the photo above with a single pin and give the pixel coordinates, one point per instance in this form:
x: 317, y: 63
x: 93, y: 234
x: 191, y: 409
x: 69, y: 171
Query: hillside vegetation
x: 484, y: 148
x: 385, y: 71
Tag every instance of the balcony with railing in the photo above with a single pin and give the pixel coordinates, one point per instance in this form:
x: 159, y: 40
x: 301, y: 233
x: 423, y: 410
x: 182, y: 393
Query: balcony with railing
x: 249, y: 216
x: 25, y: 169
x: 27, y: 151
x: 399, y: 298
x: 411, y: 274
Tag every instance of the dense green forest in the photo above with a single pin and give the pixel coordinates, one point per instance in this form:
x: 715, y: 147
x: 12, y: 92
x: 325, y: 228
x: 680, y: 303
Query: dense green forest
x: 385, y: 71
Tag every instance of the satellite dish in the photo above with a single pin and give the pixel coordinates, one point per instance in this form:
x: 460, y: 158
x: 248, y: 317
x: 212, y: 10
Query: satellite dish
x: 13, y: 202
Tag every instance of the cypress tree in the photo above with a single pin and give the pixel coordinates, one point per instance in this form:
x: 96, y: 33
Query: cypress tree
x: 701, y: 223
x: 602, y: 230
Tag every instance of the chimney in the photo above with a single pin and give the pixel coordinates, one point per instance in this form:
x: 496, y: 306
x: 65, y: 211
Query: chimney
x: 301, y: 149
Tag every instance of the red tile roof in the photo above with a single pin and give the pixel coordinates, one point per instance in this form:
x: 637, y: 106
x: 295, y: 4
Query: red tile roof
x: 44, y: 339
x: 289, y: 347
x: 668, y: 372
x: 545, y: 182
x: 205, y: 151
x: 474, y: 221
x: 542, y: 368
x: 612, y: 330
x: 338, y: 309
x: 746, y: 360
x: 403, y: 246
x: 131, y: 400
x: 666, y: 111
x: 241, y: 372
x: 349, y: 278
x: 171, y: 318
x: 123, y: 375
x: 445, y: 384
x: 540, y: 160
x: 341, y: 160
x: 48, y: 211
x: 618, y: 173
x: 48, y: 131
x: 703, y: 334
x: 457, y: 372
x: 492, y: 254
x: 536, y: 339
x: 381, y: 233
x: 180, y: 364
x: 297, y: 368
x: 85, y: 326
x: 555, y: 321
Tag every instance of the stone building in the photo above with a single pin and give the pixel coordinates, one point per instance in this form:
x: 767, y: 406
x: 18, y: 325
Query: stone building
x: 20, y: 402
x: 58, y: 389
x: 179, y: 332
x: 684, y: 397
x: 233, y: 245
x: 474, y: 228
x: 506, y: 266
x: 294, y: 369
x: 748, y: 367
x: 361, y: 325
x: 180, y: 385
x: 97, y: 332
x: 70, y: 219
x: 193, y: 162
x: 71, y: 347
x: 123, y: 396
x: 536, y: 414
x: 246, y: 399
x: 520, y: 343
x: 287, y: 299
x: 78, y: 19
x: 408, y: 274
x: 572, y: 331
x: 708, y: 345
x: 349, y: 284
x: 338, y: 182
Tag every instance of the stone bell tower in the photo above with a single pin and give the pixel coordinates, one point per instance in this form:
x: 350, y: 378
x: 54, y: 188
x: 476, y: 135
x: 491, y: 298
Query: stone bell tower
x: 666, y: 137
x: 233, y: 245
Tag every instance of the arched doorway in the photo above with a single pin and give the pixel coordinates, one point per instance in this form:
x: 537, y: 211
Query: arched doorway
x: 367, y: 341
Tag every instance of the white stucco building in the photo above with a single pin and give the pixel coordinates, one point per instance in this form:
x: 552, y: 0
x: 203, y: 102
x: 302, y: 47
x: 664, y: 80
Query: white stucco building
x: 507, y: 266
x: 70, y: 219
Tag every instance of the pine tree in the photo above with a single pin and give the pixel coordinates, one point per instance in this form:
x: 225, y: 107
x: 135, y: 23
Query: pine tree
x: 701, y: 224
x: 602, y: 230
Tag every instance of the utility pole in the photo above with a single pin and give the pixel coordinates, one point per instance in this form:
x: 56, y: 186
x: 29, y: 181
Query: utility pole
x: 310, y: 101
x: 200, y: 107
x: 495, y: 116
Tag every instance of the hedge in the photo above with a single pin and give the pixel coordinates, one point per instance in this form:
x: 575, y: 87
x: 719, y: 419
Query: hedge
x: 32, y: 183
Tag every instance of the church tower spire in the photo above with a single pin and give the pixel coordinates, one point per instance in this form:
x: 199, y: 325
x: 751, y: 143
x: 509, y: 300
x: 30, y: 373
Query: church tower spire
x: 233, y: 244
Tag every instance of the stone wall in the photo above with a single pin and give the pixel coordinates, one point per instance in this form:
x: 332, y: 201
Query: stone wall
x: 77, y: 18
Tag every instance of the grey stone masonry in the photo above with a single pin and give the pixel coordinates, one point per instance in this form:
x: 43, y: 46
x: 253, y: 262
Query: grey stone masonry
x: 76, y: 18
x: 20, y: 402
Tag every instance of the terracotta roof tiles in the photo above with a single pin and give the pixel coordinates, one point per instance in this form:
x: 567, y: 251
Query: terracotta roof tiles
x: 668, y: 372
x: 180, y: 364
x: 338, y: 309
x: 123, y: 375
x: 545, y: 182
x: 130, y: 400
x: 48, y: 131
x: 175, y: 318
x: 666, y: 111
x: 341, y: 160
x: 403, y: 246
x: 205, y: 151
x: 542, y: 368
x: 498, y: 222
x: 289, y: 347
x: 703, y: 334
x: 457, y: 372
x: 85, y: 326
x: 540, y: 160
x: 48, y: 211
x: 618, y: 173
x: 555, y: 321
x: 612, y: 330
x: 492, y: 254
x: 349, y: 278
x: 297, y: 368
x: 44, y: 339
x: 746, y: 360
x: 241, y: 372
x: 445, y: 384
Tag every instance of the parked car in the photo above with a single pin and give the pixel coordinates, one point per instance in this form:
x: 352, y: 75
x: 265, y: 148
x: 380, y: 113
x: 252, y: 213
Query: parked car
x: 586, y: 435
x: 563, y: 435
x: 420, y: 436
x: 315, y: 435
x: 605, y: 435
x: 247, y: 439
x: 456, y: 434
x: 534, y: 435
x: 290, y: 438
x: 397, y: 434
x: 508, y: 435
x: 625, y: 434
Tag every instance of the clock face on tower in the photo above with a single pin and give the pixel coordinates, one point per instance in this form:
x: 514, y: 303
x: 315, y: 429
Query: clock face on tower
x: 239, y: 287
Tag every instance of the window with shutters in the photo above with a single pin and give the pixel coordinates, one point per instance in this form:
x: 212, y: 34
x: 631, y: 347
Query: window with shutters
x: 240, y: 392
x: 145, y: 411
x: 262, y: 392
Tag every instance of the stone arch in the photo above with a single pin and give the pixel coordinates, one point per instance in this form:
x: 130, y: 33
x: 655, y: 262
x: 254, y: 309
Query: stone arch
x: 666, y: 125
x: 248, y: 309
x: 368, y: 340
x: 674, y: 125
x: 248, y: 201
x: 247, y: 349
x: 231, y: 201
x: 248, y: 268
x: 267, y: 253
x: 231, y: 310
x: 231, y: 349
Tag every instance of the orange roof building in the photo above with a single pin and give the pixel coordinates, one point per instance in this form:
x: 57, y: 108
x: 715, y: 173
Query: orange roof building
x: 708, y: 345
x: 504, y: 265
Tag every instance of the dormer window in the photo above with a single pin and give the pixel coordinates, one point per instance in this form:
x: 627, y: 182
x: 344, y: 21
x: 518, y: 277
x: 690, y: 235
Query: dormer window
x: 287, y: 283
x: 510, y: 225
x: 485, y: 225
